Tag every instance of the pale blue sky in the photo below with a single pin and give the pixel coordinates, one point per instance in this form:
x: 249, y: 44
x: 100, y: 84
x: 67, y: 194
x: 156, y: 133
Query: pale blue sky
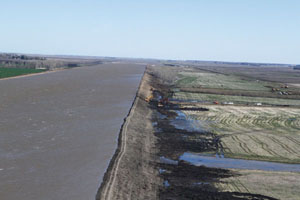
x: 223, y: 30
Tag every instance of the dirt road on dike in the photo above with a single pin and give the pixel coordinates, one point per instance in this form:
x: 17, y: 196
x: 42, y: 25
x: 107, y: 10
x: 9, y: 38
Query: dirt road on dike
x: 58, y: 131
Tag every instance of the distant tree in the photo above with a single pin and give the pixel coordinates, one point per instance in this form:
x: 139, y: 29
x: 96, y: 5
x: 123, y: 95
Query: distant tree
x: 73, y: 65
x: 297, y: 67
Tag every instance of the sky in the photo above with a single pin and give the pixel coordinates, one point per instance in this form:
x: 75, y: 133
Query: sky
x: 217, y: 30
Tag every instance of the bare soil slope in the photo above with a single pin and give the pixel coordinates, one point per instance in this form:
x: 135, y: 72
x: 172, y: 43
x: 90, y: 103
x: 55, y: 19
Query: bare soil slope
x: 132, y: 173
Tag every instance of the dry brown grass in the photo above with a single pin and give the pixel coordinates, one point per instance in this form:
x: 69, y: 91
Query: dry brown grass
x: 167, y: 75
x: 280, y: 185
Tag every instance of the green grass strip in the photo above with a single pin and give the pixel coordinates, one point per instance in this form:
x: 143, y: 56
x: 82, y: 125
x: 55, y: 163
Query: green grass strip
x: 12, y: 72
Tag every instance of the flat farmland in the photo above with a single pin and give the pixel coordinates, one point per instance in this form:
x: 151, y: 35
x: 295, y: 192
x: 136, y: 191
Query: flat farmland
x: 280, y: 185
x: 259, y: 133
x: 234, y: 133
x: 214, y: 80
x: 202, y: 97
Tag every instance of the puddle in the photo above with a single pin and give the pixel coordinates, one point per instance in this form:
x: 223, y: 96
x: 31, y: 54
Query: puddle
x: 218, y: 162
x: 220, y: 153
x: 166, y: 183
x: 157, y: 95
x: 157, y: 130
x: 168, y: 161
x: 182, y: 122
x: 154, y: 123
x: 161, y: 116
x: 202, y: 183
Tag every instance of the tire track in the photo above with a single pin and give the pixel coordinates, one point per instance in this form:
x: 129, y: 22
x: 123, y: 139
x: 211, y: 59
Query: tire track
x: 264, y: 146
x: 284, y: 146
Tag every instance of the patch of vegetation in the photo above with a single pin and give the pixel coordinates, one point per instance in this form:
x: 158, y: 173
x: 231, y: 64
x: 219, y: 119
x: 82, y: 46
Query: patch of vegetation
x: 11, y: 72
x: 166, y: 74
x: 49, y: 63
x: 188, y: 80
x: 212, y: 80
x: 297, y: 67
x: 202, y: 97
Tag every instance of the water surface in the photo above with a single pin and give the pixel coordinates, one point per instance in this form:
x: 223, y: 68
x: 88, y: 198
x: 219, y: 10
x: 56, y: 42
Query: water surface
x: 218, y: 162
x: 59, y: 130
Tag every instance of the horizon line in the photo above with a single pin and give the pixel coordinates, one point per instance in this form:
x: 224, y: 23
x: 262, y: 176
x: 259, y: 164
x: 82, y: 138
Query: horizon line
x: 145, y: 58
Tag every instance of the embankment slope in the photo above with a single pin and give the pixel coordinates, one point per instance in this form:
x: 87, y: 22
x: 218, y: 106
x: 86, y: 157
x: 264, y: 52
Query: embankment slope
x: 132, y: 173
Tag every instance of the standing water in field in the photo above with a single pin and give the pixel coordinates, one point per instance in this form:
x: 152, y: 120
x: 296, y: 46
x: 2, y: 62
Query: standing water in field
x: 182, y: 122
x: 217, y: 162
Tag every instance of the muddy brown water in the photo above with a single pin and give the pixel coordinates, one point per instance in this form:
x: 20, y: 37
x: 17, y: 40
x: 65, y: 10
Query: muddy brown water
x: 58, y: 131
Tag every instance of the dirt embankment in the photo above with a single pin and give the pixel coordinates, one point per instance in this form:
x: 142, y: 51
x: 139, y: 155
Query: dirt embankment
x: 132, y: 173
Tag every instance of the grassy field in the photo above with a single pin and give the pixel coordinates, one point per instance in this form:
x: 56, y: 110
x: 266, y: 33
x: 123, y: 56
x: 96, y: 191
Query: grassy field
x: 212, y: 80
x: 11, y: 72
x: 202, y: 97
x: 280, y: 185
x: 258, y: 133
x: 267, y: 73
x: 247, y: 132
x: 210, y: 87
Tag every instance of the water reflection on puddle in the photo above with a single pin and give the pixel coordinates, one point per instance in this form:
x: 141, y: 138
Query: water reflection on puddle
x: 161, y: 171
x: 161, y: 116
x: 157, y: 130
x: 168, y: 161
x: 202, y: 183
x: 182, y: 122
x: 198, y: 160
x: 166, y: 183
